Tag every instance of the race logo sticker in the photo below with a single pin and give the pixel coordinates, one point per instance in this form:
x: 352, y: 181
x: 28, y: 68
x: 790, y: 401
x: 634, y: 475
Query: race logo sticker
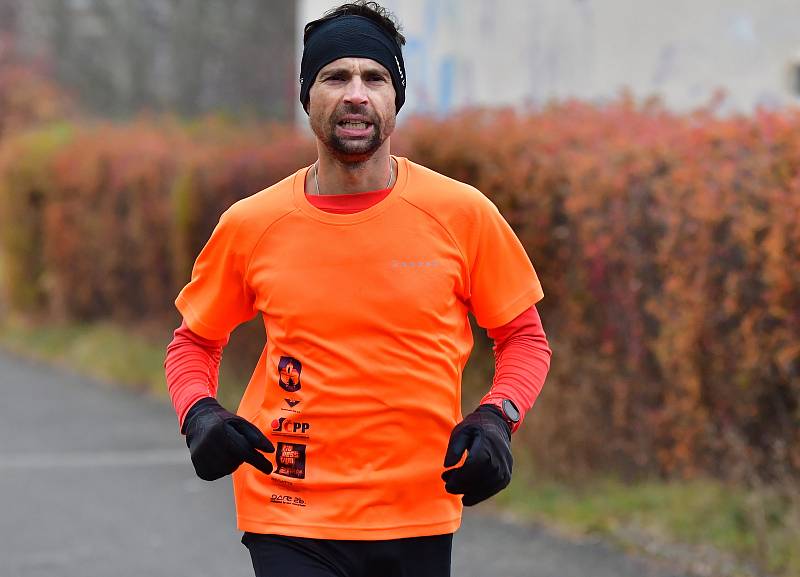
x: 289, y: 427
x: 289, y: 370
x: 291, y: 460
x: 287, y: 500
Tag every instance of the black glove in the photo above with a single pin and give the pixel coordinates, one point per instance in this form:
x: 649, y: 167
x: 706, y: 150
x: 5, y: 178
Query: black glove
x: 486, y: 435
x: 220, y: 441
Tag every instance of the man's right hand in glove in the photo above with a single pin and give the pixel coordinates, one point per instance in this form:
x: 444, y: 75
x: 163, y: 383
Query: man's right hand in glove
x: 220, y: 441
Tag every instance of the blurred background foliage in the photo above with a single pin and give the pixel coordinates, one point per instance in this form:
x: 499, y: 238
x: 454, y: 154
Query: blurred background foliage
x: 668, y: 246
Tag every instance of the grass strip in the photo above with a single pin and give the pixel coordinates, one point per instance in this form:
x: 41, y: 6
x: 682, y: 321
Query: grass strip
x: 100, y: 350
x: 704, y: 525
x: 106, y: 352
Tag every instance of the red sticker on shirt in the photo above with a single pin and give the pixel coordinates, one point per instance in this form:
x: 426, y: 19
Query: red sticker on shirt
x: 291, y: 459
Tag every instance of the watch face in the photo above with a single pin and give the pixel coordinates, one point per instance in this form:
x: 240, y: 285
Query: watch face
x: 511, y: 411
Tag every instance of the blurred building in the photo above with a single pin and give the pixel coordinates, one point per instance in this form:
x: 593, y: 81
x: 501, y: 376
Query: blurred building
x: 242, y: 56
x: 511, y: 52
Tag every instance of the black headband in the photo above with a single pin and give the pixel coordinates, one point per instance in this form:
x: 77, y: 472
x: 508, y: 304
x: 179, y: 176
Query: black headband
x: 356, y: 37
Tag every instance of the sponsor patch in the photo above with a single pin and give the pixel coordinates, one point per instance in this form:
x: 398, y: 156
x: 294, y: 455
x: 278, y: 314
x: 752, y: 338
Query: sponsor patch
x: 290, y: 427
x: 291, y: 404
x: 291, y: 460
x: 289, y: 370
x: 287, y: 500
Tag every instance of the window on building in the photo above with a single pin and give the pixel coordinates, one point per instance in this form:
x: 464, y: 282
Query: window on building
x: 796, y: 78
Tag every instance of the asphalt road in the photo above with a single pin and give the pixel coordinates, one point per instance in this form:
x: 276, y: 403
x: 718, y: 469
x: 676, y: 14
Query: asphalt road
x: 96, y: 482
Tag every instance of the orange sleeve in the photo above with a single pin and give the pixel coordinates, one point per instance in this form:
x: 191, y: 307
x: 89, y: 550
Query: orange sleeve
x: 218, y: 298
x: 503, y: 282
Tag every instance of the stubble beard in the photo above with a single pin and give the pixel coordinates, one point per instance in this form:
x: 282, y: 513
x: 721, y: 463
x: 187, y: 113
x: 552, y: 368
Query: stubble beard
x: 360, y: 148
x: 351, y: 150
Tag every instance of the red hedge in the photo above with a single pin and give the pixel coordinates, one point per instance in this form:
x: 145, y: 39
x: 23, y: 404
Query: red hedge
x: 668, y: 246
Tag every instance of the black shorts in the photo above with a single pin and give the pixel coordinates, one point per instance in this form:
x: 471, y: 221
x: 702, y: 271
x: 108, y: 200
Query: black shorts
x: 280, y: 556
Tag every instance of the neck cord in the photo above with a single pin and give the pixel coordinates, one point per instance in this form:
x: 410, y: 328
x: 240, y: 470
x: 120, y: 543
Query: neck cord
x: 388, y: 182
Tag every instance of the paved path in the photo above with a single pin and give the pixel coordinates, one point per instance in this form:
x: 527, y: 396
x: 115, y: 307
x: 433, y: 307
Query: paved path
x: 96, y: 482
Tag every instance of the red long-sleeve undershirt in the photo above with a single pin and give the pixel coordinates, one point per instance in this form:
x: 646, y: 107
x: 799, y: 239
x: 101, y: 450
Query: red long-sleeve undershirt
x: 521, y: 362
x: 191, y: 368
x: 522, y: 355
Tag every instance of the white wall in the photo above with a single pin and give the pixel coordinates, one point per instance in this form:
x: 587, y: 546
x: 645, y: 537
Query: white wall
x: 503, y: 52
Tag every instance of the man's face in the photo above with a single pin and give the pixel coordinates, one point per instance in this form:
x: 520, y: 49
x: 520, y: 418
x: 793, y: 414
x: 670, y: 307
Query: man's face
x: 351, y: 107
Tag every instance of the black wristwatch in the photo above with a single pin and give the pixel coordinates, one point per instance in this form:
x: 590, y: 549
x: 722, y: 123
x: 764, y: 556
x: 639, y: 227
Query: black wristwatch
x: 510, y: 412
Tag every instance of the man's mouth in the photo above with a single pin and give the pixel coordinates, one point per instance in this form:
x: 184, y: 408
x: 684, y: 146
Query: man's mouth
x: 354, y: 124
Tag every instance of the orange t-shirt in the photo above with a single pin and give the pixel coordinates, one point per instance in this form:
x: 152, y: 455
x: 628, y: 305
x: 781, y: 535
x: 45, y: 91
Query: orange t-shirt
x: 359, y: 384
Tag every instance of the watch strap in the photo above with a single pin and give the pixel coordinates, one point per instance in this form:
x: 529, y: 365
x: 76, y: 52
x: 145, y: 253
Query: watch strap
x: 500, y: 403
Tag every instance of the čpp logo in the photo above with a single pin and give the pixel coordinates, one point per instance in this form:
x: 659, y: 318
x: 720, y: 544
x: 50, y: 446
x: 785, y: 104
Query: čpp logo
x: 289, y: 426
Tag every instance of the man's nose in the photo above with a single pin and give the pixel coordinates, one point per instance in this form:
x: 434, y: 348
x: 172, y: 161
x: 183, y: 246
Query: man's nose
x: 356, y: 92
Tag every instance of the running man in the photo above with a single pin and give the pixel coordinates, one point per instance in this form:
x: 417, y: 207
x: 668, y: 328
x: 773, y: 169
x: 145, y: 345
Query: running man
x: 349, y: 454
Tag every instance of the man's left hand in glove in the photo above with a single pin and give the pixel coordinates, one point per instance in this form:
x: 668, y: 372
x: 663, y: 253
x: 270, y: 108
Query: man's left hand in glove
x: 486, y: 436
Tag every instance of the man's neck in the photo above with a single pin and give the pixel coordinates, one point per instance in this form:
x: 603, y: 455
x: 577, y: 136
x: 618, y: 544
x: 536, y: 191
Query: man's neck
x: 330, y: 175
